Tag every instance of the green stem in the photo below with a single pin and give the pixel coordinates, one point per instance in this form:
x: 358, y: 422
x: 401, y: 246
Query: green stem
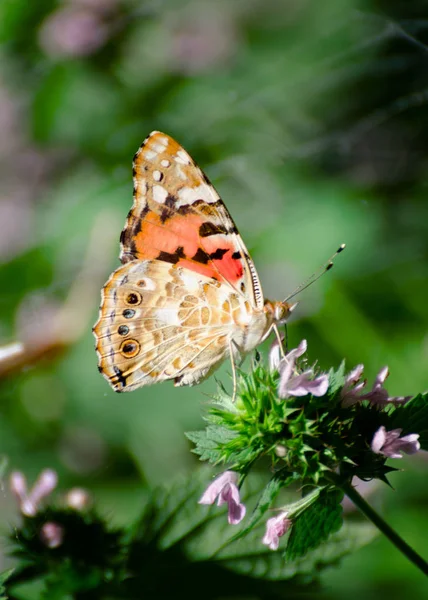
x: 390, y: 533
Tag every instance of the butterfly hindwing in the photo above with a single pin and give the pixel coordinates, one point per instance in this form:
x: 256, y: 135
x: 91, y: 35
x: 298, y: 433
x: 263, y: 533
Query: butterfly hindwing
x: 160, y: 322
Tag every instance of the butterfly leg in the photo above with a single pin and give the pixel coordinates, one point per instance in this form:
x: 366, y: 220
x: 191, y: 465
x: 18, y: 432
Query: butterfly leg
x: 278, y: 337
x: 233, y: 370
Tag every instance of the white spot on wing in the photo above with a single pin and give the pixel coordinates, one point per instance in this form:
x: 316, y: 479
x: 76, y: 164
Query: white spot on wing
x: 159, y: 194
x: 160, y: 145
x: 165, y: 162
x: 167, y: 316
x: 182, y: 158
x: 149, y: 154
x: 190, y: 280
x: 189, y: 195
x: 157, y: 175
x: 149, y: 284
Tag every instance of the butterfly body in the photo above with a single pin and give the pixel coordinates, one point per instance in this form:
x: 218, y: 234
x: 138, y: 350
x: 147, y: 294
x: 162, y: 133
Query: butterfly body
x: 187, y: 295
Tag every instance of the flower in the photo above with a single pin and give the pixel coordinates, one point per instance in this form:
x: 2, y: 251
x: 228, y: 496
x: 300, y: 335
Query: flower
x: 52, y: 534
x: 276, y: 527
x: 224, y: 487
x: 352, y: 386
x: 378, y: 395
x: 390, y: 444
x: 29, y: 501
x: 78, y: 499
x: 292, y: 383
x: 73, y: 31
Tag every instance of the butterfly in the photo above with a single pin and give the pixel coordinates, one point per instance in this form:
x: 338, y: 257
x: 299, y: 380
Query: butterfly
x: 187, y: 295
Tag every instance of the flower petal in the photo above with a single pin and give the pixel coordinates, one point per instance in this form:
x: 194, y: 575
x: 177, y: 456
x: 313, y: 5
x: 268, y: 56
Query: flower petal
x: 276, y: 527
x: 378, y: 440
x: 45, y: 484
x: 355, y: 375
x: 215, y: 488
x: 391, y: 445
x: 303, y: 384
x: 236, y: 510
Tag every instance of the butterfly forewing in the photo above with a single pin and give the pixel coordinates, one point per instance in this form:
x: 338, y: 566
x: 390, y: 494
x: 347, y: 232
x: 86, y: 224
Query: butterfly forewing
x: 178, y: 217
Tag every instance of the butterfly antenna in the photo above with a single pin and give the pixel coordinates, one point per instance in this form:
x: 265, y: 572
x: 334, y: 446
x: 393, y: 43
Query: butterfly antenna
x: 318, y: 273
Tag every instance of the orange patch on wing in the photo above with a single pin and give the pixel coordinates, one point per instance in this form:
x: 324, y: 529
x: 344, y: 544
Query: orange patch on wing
x: 182, y: 232
x: 230, y: 268
x: 178, y: 231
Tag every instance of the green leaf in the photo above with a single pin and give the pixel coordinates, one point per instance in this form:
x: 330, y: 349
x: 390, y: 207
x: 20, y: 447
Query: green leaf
x: 336, y: 379
x: 260, y: 562
x: 412, y: 417
x: 3, y: 579
x: 315, y: 524
x: 208, y: 442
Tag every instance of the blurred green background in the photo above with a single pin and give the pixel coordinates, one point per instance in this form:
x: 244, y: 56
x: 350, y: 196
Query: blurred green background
x: 311, y: 120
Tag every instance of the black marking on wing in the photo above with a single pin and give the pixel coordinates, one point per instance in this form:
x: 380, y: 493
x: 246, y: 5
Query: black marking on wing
x: 218, y: 254
x: 118, y: 378
x: 205, y: 178
x: 168, y: 208
x: 129, y: 233
x: 173, y: 257
x: 208, y: 228
x: 201, y: 257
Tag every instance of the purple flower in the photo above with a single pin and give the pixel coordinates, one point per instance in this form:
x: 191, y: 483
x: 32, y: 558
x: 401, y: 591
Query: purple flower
x: 293, y: 383
x: 390, y: 444
x: 29, y: 501
x: 225, y: 489
x: 378, y: 395
x: 352, y: 386
x: 52, y: 534
x: 72, y: 31
x: 276, y: 527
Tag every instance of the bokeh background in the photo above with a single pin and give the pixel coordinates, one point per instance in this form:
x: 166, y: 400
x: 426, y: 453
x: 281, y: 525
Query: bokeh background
x: 311, y: 120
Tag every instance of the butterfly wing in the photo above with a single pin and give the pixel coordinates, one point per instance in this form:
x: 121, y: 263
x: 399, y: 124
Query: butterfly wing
x: 159, y: 321
x: 179, y: 218
x: 187, y: 285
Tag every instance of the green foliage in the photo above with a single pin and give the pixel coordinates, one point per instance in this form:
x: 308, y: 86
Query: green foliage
x: 412, y: 417
x: 173, y: 535
x: 314, y: 526
x: 306, y: 438
x: 4, y: 577
x: 89, y: 554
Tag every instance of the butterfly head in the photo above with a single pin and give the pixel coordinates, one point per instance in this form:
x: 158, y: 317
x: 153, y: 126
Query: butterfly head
x: 279, y: 311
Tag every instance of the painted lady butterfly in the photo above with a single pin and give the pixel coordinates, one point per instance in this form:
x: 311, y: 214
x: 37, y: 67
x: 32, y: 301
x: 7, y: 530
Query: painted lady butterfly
x: 187, y: 295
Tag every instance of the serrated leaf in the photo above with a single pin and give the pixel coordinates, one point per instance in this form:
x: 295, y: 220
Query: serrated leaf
x: 336, y: 379
x: 412, y: 417
x: 208, y: 441
x: 3, y: 579
x: 315, y: 524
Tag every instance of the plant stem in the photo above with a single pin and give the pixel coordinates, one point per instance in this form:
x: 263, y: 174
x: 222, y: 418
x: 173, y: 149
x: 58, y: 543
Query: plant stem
x: 390, y: 533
